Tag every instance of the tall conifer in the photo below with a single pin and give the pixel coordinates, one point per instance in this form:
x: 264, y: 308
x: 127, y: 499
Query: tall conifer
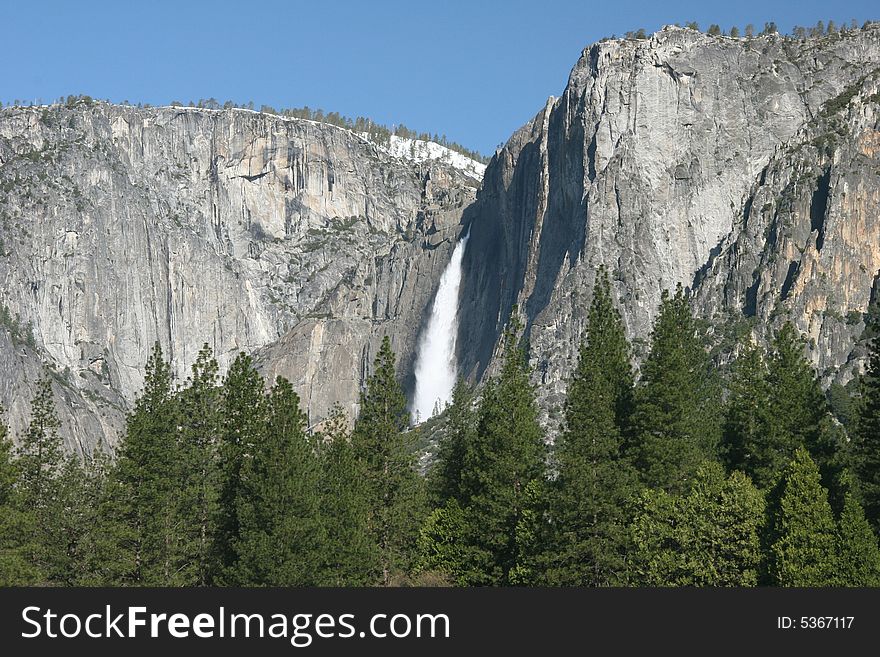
x: 505, y: 456
x: 350, y: 557
x: 40, y: 465
x: 17, y: 524
x: 866, y: 440
x: 803, y: 550
x: 676, y: 423
x: 747, y: 415
x: 595, y: 479
x: 395, y: 491
x: 144, y: 497
x: 858, y: 555
x: 797, y: 409
x: 198, y: 472
x: 280, y: 541
x: 243, y: 423
x: 457, y: 433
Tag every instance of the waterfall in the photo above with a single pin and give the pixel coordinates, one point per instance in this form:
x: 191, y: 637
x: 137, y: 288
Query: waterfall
x: 435, y: 362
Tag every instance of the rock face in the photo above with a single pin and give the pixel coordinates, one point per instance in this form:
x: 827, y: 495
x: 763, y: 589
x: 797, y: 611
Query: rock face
x: 807, y: 246
x: 744, y: 169
x: 686, y: 159
x: 121, y: 227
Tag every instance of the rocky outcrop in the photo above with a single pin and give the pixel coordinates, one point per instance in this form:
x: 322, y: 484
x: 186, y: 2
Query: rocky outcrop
x: 648, y: 164
x: 121, y: 227
x: 807, y: 246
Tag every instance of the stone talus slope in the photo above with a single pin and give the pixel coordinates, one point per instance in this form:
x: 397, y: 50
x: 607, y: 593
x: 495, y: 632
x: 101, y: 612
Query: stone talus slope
x: 647, y: 163
x: 122, y: 227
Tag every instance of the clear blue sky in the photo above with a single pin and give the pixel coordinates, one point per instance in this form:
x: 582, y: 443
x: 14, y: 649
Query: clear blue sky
x: 473, y: 69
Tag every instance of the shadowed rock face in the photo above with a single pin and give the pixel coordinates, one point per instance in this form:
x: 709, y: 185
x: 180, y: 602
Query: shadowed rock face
x: 122, y: 227
x: 657, y: 161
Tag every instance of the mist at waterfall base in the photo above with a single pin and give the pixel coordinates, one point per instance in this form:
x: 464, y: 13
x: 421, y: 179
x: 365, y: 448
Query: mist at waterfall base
x: 435, y: 363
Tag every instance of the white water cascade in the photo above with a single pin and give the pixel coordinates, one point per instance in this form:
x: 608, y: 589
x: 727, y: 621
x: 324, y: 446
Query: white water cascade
x: 435, y: 362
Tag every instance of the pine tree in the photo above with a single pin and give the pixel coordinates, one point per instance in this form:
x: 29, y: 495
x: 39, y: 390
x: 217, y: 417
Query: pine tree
x: 145, y: 491
x: 442, y: 546
x: 17, y: 524
x: 506, y: 454
x: 797, y: 410
x: 709, y: 537
x: 40, y: 463
x: 280, y: 540
x: 8, y: 467
x: 40, y: 456
x: 70, y: 539
x: 198, y: 471
x: 395, y: 491
x: 802, y: 535
x: 595, y: 479
x: 350, y: 557
x: 747, y: 417
x: 458, y: 432
x: 858, y: 555
x: 865, y: 447
x: 532, y: 537
x: 676, y: 422
x: 99, y: 553
x: 243, y: 417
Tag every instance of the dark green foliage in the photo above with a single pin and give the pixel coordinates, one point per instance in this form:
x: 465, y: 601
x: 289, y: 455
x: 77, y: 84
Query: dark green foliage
x: 198, y: 473
x: 798, y: 413
x: 40, y: 464
x: 866, y: 440
x: 51, y: 513
x: 776, y: 405
x: 533, y: 537
x: 802, y: 536
x: 506, y: 454
x: 70, y: 539
x: 144, y: 495
x: 442, y: 544
x: 17, y: 525
x: 350, y: 557
x: 243, y: 418
x: 842, y: 404
x: 280, y: 537
x: 858, y: 556
x: 458, y: 432
x: 395, y: 492
x: 40, y: 456
x: 676, y: 422
x: 595, y: 479
x: 748, y: 415
x: 709, y: 537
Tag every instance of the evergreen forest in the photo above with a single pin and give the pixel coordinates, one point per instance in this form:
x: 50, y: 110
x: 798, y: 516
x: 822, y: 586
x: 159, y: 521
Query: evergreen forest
x: 686, y: 473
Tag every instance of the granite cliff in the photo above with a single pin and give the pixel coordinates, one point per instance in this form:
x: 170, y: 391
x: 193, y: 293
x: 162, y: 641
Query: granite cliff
x: 301, y: 242
x: 744, y: 169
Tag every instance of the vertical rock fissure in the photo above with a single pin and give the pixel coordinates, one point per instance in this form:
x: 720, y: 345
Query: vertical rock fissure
x: 819, y: 207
